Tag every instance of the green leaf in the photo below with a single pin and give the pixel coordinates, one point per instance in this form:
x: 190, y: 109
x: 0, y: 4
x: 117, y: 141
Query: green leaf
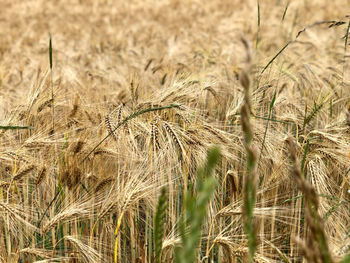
x: 275, y: 56
x: 273, y: 100
x: 285, y: 12
x: 196, y: 210
x: 16, y: 127
x: 306, y: 149
x: 50, y: 52
x: 347, y: 36
x: 346, y: 259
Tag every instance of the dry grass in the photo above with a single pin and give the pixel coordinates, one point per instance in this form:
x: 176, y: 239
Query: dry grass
x: 63, y: 192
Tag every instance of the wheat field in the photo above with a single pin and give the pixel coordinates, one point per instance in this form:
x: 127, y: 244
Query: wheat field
x: 109, y: 112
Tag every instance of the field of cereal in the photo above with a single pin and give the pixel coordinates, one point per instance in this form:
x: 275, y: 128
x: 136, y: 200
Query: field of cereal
x: 110, y: 111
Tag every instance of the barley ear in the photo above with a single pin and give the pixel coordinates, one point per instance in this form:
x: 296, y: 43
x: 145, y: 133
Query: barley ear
x: 317, y: 242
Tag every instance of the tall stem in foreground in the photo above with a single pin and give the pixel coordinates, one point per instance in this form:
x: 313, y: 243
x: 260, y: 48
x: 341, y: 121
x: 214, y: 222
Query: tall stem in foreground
x: 249, y: 190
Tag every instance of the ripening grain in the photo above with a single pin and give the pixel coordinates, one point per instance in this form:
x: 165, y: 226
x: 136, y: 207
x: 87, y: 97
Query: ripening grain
x: 109, y: 109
